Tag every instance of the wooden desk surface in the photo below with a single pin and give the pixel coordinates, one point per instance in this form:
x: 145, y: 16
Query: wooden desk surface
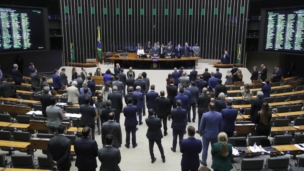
x: 270, y: 104
x: 18, y: 169
x: 24, y: 92
x: 150, y: 59
x: 300, y: 127
x: 19, y: 126
x: 243, y: 117
x: 75, y: 129
x: 287, y: 93
x: 295, y: 102
x: 258, y: 89
x: 19, y: 100
x: 15, y: 144
x: 5, y: 124
x: 283, y: 129
x: 282, y: 148
x: 297, y: 113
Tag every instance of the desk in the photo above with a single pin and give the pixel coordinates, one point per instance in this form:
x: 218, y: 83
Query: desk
x: 42, y: 144
x: 259, y: 89
x: 71, y: 130
x: 5, y: 124
x: 297, y: 113
x: 19, y: 100
x: 287, y: 93
x: 18, y: 169
x: 24, y: 92
x: 19, y: 126
x: 283, y: 129
x: 299, y: 127
x: 40, y: 125
x: 14, y: 144
x: 295, y: 102
x: 13, y: 109
x: 247, y: 117
x: 270, y: 104
x: 244, y: 129
x: 282, y: 148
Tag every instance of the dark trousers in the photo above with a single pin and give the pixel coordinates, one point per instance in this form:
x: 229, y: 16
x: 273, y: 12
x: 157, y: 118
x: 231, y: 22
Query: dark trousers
x: 17, y: 83
x: 164, y: 119
x: 117, y: 116
x: 188, y: 113
x: 52, y: 130
x: 199, y: 119
x: 160, y: 147
x: 56, y: 89
x: 180, y: 134
x: 229, y: 134
x: 144, y: 106
x: 189, y: 169
x: 130, y: 130
x: 193, y: 107
x: 86, y: 169
x: 139, y: 113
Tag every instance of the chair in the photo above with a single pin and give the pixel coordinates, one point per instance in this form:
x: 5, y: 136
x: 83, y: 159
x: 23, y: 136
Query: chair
x: 280, y: 90
x: 22, y: 161
x: 243, y: 122
x: 26, y: 96
x: 289, y: 89
x: 37, y: 98
x: 276, y: 84
x: 235, y: 88
x: 282, y: 139
x: 255, y: 164
x: 63, y: 100
x: 38, y: 107
x: 258, y: 86
x: 237, y: 102
x: 44, y: 163
x: 18, y: 87
x: 72, y: 138
x: 75, y: 122
x: 98, y: 87
x: 300, y: 162
x: 277, y: 163
x: 280, y: 99
x: 5, y: 117
x: 281, y: 122
x: 233, y: 140
x: 6, y: 135
x: 232, y: 94
x: 62, y: 91
x: 282, y: 109
x: 299, y: 121
x: 294, y: 97
x: 247, y: 111
x: 26, y: 88
x: 256, y: 139
x: 301, y: 96
x: 38, y: 118
x: 299, y: 138
x: 295, y: 108
x: 72, y: 110
x: 22, y: 136
x: 3, y: 161
x: 298, y: 88
x: 269, y: 99
x: 108, y: 55
x: 43, y: 135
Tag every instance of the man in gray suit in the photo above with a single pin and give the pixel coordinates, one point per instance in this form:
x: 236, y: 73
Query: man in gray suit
x: 7, y: 89
x: 54, y: 116
x: 35, y: 80
x: 63, y: 77
x: 109, y: 156
x: 73, y: 93
x: 113, y: 128
x: 118, y: 84
x: 183, y: 80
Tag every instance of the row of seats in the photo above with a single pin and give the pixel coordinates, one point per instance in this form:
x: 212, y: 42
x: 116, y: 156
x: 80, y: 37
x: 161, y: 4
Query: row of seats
x: 286, y: 139
x: 257, y: 164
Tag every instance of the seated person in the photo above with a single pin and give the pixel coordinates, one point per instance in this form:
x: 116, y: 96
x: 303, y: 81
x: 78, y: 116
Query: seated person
x: 154, y: 51
x: 178, y: 51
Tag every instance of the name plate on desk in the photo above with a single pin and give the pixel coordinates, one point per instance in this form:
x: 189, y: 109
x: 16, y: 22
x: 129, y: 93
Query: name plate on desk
x: 154, y: 59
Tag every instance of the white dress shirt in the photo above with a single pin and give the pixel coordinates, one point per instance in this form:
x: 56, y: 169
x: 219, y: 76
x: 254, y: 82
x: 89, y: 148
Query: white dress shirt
x: 140, y: 52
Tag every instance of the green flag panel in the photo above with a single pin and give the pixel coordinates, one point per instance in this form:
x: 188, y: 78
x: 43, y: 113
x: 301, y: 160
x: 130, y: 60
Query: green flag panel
x: 178, y: 11
x: 142, y: 11
x: 79, y: 10
x: 242, y: 10
x: 117, y: 11
x: 190, y: 11
x: 130, y: 11
x: 92, y: 10
x: 66, y: 9
x: 203, y: 11
x: 105, y: 11
x: 215, y: 11
x: 229, y: 10
x: 153, y: 11
x: 166, y: 11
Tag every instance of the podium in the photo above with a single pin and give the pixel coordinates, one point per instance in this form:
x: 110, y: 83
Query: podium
x: 98, y: 80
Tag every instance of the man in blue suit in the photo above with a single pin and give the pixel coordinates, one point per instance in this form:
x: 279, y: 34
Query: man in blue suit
x: 140, y: 103
x: 130, y: 122
x: 16, y: 75
x: 193, y: 74
x: 225, y: 59
x: 190, y: 147
x: 186, y: 50
x: 56, y: 80
x: 217, y: 74
x: 188, y: 93
x: 179, y: 123
x: 194, y: 96
x: 200, y: 83
x: 183, y: 98
x: 178, y: 51
x: 229, y: 116
x: 277, y: 74
x: 266, y: 89
x: 150, y: 98
x: 31, y: 69
x: 210, y: 127
x: 212, y: 82
x: 175, y: 76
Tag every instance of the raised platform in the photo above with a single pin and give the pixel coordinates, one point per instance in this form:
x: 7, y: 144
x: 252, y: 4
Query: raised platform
x: 89, y: 64
x: 220, y: 65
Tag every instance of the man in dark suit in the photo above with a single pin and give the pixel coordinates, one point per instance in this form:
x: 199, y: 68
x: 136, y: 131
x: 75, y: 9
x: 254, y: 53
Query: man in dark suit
x: 171, y: 92
x: 220, y: 102
x: 263, y: 72
x: 190, y: 148
x: 132, y: 95
x: 229, y: 116
x: 59, y: 149
x: 256, y: 105
x: 178, y: 51
x: 130, y: 81
x: 163, y: 109
x: 130, y: 122
x: 91, y: 85
x: 183, y: 98
x: 266, y: 89
x: 217, y: 74
x: 225, y: 59
x: 63, y: 77
x: 86, y: 151
x: 212, y: 82
x: 202, y: 104
x: 186, y: 50
x: 220, y: 88
x: 154, y: 135
x: 56, y: 80
x: 254, y: 74
x: 179, y: 123
x: 193, y: 74
x: 31, y: 69
x: 45, y: 99
x: 277, y: 74
x: 116, y: 99
x: 188, y: 93
x: 140, y: 103
x: 7, y: 89
x: 141, y: 83
x: 81, y: 98
x: 119, y: 85
x: 150, y: 98
x: 109, y: 156
x: 106, y: 111
x: 113, y: 128
x: 206, y: 75
x: 200, y: 83
x: 88, y: 115
x: 35, y: 80
x: 123, y: 79
x: 175, y: 76
x: 147, y: 85
x: 16, y: 75
x: 194, y: 96
x: 116, y: 69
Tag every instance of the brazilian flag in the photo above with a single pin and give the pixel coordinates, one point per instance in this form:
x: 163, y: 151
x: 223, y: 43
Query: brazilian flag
x: 72, y: 52
x: 99, y: 47
x: 238, y: 60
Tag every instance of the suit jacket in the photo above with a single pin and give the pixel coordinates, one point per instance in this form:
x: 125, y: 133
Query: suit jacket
x: 254, y: 75
x: 109, y: 158
x: 194, y: 94
x: 45, y: 102
x: 185, y: 100
x: 86, y: 151
x: 220, y: 88
x: 79, y: 82
x: 220, y: 162
x: 193, y: 75
x: 278, y: 75
x: 183, y: 81
x: 150, y: 99
x: 81, y: 99
x: 81, y: 91
x: 130, y: 82
x: 210, y: 125
x: 186, y: 51
x: 201, y: 84
x: 83, y: 75
x: 7, y: 89
x: 178, y: 51
x: 73, y: 94
x: 35, y: 80
x: 266, y: 89
x: 202, y: 103
x: 59, y: 149
x: 130, y: 114
x: 54, y: 116
x: 179, y: 119
x: 229, y: 116
x: 163, y: 107
x: 212, y: 83
x: 64, y: 78
x: 116, y: 99
x: 140, y: 83
x: 132, y: 73
x: 171, y: 92
x: 116, y: 70
x: 206, y: 76
x: 140, y: 98
x: 256, y: 105
x: 234, y: 70
x: 88, y: 114
x: 225, y: 59
x: 218, y: 75
x: 123, y: 78
x: 56, y: 81
x: 147, y: 82
x: 16, y: 76
x: 92, y: 86
x: 133, y: 96
x: 219, y: 104
x: 175, y: 76
x: 113, y: 128
x: 154, y: 131
x: 105, y: 114
x: 190, y: 148
x: 263, y: 73
x: 31, y: 70
x: 120, y: 86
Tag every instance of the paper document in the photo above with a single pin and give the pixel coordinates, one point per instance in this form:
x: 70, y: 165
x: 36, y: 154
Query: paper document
x: 235, y: 152
x: 299, y: 146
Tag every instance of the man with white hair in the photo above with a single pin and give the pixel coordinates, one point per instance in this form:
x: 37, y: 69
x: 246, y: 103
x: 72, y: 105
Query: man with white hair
x: 45, y: 99
x: 73, y: 93
x: 183, y: 80
x: 220, y: 102
x: 16, y: 75
x: 140, y: 103
x: 256, y: 105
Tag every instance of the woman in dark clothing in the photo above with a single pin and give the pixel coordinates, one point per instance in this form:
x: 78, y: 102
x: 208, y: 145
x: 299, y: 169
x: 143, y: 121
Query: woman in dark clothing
x: 169, y: 78
x: 74, y: 73
x: 263, y: 118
